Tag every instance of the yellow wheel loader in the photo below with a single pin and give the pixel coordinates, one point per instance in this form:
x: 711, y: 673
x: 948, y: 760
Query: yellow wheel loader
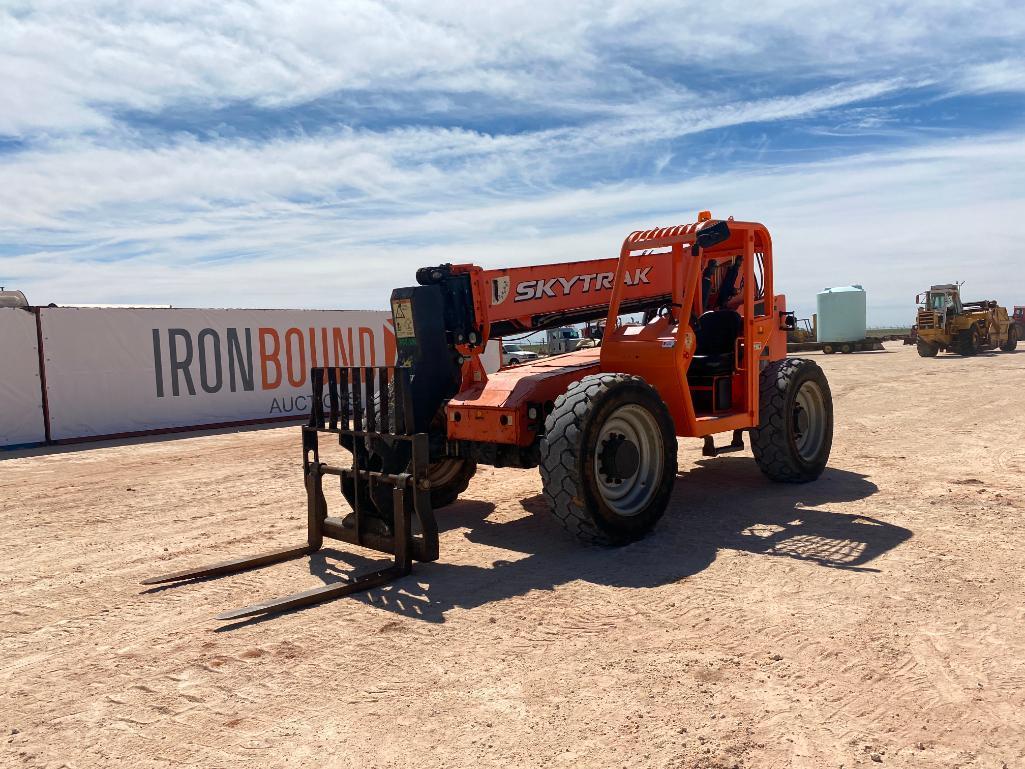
x: 945, y: 323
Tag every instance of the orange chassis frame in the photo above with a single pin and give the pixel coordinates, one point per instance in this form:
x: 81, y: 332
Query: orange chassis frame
x: 508, y: 407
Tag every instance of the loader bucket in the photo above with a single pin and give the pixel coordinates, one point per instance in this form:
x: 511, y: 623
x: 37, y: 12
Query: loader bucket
x: 370, y: 413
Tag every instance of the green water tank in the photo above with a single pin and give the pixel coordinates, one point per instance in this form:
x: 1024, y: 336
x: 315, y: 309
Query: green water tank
x: 841, y: 313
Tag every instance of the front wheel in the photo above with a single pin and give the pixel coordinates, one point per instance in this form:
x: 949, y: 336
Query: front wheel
x: 449, y: 478
x: 927, y: 350
x: 969, y: 342
x: 795, y: 426
x: 608, y: 458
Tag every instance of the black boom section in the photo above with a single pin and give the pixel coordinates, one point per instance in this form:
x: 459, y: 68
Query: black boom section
x: 424, y: 347
x: 457, y: 296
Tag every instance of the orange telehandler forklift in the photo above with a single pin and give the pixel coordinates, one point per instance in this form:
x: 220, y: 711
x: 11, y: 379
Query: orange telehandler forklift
x: 708, y: 357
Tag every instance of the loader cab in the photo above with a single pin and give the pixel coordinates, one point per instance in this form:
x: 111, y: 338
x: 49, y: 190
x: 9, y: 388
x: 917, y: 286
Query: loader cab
x: 941, y: 299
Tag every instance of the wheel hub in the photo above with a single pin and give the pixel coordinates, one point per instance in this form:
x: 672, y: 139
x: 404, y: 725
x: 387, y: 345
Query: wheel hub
x: 800, y: 420
x: 628, y: 459
x: 809, y: 420
x: 619, y: 458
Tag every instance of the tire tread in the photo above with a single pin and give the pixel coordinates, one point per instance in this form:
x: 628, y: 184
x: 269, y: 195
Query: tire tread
x: 770, y: 440
x: 561, y: 454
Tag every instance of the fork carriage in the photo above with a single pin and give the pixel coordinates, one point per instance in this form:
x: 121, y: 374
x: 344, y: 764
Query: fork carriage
x: 370, y: 411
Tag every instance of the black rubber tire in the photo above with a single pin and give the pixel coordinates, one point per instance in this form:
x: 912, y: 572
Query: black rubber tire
x: 773, y: 441
x: 513, y: 362
x: 444, y: 494
x: 1012, y: 340
x: 968, y: 342
x: 926, y: 349
x: 568, y: 458
x: 828, y: 349
x: 846, y: 349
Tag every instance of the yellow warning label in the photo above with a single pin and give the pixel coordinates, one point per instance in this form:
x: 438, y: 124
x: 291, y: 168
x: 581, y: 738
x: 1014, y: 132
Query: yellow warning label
x: 402, y: 312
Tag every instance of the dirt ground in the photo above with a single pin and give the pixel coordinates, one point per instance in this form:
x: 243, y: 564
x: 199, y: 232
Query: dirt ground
x: 873, y: 617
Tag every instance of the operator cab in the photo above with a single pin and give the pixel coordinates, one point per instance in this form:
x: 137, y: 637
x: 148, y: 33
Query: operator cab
x: 942, y: 299
x: 718, y: 331
x: 714, y: 377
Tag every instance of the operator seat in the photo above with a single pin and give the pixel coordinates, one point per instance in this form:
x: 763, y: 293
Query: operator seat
x: 716, y: 334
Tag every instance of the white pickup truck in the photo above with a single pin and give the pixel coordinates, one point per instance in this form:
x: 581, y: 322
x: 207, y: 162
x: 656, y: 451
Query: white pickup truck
x: 513, y: 354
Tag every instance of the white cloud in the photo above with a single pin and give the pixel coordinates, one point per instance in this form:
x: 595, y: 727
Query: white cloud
x: 418, y: 166
x: 98, y: 208
x: 892, y: 221
x: 74, y: 65
x: 1006, y: 75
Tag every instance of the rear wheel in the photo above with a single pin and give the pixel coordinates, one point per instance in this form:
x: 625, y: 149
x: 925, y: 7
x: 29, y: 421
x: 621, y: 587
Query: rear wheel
x: 846, y: 349
x: 828, y: 349
x: 927, y: 350
x: 1012, y: 340
x: 608, y: 459
x: 795, y: 427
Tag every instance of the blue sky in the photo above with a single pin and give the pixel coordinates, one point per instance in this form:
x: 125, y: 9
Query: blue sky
x: 314, y: 154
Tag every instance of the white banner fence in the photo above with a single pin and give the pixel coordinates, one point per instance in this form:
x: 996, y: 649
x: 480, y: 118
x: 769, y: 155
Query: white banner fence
x: 108, y: 372
x: 21, y: 392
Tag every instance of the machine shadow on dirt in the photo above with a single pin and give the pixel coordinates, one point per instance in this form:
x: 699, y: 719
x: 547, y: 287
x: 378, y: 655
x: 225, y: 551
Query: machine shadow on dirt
x: 721, y: 504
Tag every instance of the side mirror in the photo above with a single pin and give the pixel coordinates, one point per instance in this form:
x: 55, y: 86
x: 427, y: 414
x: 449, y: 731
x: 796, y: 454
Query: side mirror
x: 710, y: 236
